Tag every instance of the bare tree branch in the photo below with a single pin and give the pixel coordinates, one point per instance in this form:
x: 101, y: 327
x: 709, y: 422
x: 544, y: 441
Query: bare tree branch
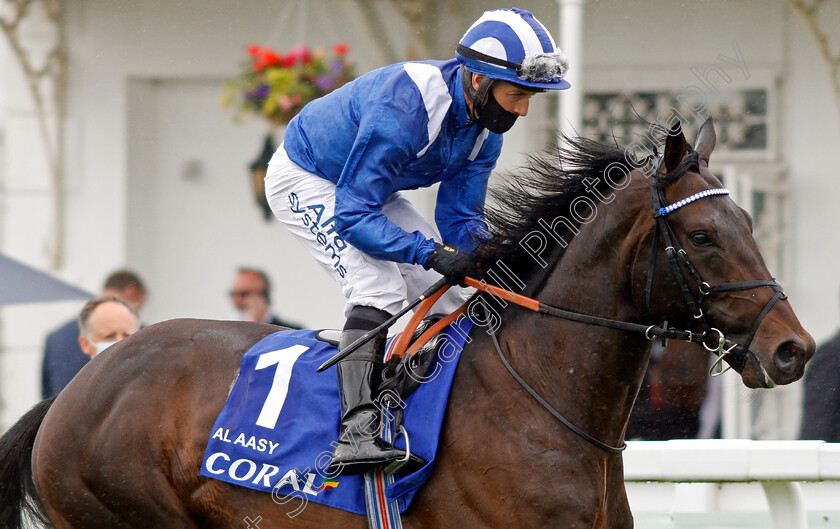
x: 376, y: 30
x: 417, y: 14
x: 810, y: 13
x: 414, y: 12
x: 51, y: 74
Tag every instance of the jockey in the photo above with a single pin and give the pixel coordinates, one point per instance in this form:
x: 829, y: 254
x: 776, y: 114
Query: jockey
x: 334, y: 182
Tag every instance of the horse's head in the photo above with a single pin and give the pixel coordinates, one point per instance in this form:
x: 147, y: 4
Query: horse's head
x: 692, y: 263
x: 702, y: 265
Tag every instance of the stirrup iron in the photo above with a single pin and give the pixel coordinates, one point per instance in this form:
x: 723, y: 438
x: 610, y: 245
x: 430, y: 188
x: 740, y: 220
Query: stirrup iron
x: 395, y: 466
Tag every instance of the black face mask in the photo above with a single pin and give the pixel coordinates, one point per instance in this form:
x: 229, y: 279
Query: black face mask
x: 493, y: 117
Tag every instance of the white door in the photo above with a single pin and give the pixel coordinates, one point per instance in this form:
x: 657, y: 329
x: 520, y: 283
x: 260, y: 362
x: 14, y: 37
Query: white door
x: 192, y: 216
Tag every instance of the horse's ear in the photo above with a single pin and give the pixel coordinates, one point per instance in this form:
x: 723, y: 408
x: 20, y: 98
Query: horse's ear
x: 675, y: 147
x: 706, y: 140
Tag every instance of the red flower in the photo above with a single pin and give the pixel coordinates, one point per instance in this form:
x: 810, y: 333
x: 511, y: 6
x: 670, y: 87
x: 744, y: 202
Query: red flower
x: 298, y: 55
x: 273, y: 59
x: 310, y: 74
x: 266, y: 58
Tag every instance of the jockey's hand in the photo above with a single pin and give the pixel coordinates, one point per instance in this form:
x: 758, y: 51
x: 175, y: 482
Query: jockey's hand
x: 452, y: 264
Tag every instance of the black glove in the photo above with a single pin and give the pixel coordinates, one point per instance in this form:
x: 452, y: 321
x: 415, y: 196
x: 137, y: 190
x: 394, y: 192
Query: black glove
x: 451, y: 263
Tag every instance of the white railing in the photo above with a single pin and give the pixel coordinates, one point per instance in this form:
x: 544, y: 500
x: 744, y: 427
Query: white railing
x: 779, y: 466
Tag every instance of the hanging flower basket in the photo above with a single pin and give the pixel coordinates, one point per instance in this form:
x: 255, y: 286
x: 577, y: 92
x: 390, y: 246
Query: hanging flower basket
x: 278, y: 86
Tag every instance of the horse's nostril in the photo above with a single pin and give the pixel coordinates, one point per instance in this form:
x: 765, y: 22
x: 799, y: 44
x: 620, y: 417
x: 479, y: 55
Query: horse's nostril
x: 787, y: 355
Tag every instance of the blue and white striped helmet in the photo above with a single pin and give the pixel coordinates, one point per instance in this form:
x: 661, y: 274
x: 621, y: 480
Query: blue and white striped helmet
x: 511, y: 45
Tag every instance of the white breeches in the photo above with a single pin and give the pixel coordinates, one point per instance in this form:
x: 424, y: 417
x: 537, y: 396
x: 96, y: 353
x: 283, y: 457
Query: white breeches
x: 305, y: 203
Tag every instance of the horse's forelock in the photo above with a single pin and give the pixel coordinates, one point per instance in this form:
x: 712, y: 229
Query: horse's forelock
x: 689, y: 164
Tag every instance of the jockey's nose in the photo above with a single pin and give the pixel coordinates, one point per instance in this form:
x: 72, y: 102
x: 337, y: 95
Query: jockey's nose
x: 521, y: 107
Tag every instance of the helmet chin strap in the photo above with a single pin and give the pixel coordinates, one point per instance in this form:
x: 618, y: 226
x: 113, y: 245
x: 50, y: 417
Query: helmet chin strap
x: 477, y: 96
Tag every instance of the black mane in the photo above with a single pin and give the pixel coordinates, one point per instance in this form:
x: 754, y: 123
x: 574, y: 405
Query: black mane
x: 544, y: 188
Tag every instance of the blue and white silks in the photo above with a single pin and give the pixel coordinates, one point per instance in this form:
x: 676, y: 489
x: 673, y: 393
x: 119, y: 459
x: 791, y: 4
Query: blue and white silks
x: 372, y: 138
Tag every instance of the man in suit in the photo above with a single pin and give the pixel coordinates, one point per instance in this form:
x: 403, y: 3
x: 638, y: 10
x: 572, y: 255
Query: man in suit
x: 63, y: 357
x: 821, y: 404
x: 251, y: 296
x: 105, y: 321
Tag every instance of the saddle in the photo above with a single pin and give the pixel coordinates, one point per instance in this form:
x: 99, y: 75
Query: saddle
x: 395, y: 374
x: 402, y: 373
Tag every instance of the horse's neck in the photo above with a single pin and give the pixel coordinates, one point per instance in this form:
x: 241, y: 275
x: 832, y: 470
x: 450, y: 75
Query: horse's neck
x: 499, y: 442
x: 590, y: 374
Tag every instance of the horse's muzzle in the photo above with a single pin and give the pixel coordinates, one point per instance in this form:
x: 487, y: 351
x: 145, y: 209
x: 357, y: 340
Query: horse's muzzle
x: 790, y: 358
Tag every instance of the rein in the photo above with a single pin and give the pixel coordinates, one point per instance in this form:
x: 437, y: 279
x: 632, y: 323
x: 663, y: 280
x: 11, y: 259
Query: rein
x: 676, y: 256
x: 650, y: 331
x: 557, y: 415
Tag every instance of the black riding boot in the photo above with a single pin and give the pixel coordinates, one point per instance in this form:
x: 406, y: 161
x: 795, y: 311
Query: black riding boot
x: 359, y: 447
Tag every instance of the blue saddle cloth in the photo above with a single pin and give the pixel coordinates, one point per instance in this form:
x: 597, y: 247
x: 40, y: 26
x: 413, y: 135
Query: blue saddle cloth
x: 276, y: 430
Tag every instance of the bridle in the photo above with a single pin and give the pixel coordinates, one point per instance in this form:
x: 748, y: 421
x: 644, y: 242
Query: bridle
x: 677, y: 256
x: 679, y: 260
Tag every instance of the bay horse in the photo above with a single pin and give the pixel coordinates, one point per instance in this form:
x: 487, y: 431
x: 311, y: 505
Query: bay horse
x: 582, y: 229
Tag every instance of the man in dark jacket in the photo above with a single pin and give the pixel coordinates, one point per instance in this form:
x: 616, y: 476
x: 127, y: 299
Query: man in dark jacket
x: 63, y: 357
x: 251, y: 297
x: 821, y: 417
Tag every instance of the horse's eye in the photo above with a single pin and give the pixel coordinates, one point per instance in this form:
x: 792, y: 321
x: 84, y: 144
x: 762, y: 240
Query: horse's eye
x: 701, y: 238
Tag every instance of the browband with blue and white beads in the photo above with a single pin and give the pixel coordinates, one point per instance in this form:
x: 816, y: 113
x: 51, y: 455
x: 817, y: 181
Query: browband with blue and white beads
x: 688, y: 200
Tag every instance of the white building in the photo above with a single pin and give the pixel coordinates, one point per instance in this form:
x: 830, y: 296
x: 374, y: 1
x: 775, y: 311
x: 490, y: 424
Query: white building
x: 155, y: 175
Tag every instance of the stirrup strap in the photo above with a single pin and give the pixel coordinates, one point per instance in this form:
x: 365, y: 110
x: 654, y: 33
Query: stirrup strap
x: 425, y: 306
x: 381, y: 513
x: 401, y: 347
x: 434, y: 329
